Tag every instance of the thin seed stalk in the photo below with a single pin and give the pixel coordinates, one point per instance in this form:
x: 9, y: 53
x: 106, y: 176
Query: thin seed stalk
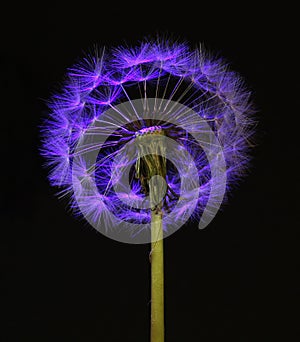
x: 157, y: 278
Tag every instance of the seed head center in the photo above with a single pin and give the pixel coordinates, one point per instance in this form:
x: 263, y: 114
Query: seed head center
x: 149, y: 130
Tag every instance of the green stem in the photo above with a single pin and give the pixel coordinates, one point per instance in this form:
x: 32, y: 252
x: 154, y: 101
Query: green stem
x: 157, y: 279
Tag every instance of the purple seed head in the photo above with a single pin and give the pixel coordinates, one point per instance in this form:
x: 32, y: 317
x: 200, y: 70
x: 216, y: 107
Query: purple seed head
x: 152, y: 69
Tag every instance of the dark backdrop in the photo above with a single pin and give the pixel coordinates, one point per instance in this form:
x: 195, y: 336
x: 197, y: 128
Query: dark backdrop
x: 63, y: 281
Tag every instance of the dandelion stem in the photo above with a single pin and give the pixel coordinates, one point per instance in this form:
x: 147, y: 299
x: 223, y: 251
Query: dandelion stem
x: 157, y: 278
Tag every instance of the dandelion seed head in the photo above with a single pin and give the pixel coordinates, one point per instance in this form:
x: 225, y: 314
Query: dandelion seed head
x: 166, y: 72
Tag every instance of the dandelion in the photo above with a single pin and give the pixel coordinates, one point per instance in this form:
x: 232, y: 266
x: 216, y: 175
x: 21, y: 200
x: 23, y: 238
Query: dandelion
x: 143, y: 138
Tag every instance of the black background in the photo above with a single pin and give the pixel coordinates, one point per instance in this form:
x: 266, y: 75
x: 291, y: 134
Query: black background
x: 61, y: 280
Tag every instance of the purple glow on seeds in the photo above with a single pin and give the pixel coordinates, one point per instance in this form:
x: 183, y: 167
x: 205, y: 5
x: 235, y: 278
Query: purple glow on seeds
x: 151, y: 69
